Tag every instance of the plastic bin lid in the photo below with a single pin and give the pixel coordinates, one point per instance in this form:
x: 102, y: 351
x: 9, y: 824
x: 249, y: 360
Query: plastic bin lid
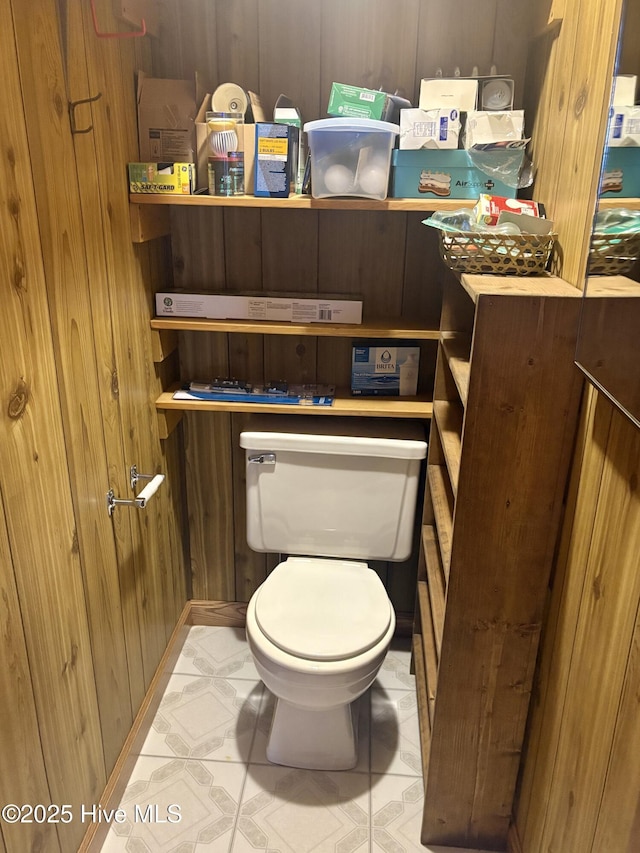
x: 352, y: 124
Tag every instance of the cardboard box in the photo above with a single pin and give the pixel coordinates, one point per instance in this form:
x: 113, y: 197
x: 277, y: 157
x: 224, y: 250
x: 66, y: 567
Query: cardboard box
x: 291, y: 308
x: 355, y: 102
x: 166, y: 120
x: 484, y: 127
x: 624, y: 90
x: 490, y: 207
x: 382, y: 368
x: 621, y: 173
x: 624, y: 127
x: 434, y: 129
x: 177, y: 178
x: 272, y: 171
x: 441, y: 93
x: 448, y: 174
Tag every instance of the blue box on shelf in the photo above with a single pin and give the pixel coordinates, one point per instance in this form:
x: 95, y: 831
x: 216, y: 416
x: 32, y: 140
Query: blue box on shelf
x: 621, y: 173
x: 430, y: 173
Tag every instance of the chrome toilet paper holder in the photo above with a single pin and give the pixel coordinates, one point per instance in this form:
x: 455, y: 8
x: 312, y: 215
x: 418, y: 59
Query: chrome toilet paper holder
x: 139, y: 501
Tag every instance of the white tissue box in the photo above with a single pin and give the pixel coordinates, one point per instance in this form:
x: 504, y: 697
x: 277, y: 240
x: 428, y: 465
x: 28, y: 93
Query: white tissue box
x: 487, y: 126
x: 439, y: 129
x: 624, y: 127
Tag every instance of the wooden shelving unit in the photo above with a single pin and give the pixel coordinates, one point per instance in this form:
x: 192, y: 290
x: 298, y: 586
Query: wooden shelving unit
x: 499, y: 449
x: 343, y: 404
x: 150, y: 213
x: 380, y: 329
x: 609, y: 203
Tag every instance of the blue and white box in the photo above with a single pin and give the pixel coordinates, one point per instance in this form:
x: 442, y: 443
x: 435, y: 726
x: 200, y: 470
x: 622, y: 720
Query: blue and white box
x: 381, y: 368
x: 439, y: 129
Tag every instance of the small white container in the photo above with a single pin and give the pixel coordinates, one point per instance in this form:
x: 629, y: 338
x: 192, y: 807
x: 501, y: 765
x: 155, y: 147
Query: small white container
x: 350, y: 157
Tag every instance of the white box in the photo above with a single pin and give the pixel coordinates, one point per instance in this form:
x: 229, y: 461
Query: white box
x: 624, y: 90
x: 439, y: 129
x: 177, y: 303
x: 382, y: 368
x: 488, y: 126
x: 624, y: 127
x: 447, y: 92
x: 259, y: 306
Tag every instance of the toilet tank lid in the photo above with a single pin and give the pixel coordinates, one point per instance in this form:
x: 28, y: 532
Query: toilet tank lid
x: 357, y: 438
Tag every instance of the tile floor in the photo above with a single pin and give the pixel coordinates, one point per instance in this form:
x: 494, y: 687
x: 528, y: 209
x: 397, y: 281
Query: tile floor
x: 204, y: 758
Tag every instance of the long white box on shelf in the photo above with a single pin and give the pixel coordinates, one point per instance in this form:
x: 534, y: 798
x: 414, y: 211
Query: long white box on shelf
x: 259, y: 306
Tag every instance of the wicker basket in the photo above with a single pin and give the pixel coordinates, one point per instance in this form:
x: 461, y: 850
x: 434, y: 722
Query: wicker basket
x: 613, y: 254
x: 500, y: 254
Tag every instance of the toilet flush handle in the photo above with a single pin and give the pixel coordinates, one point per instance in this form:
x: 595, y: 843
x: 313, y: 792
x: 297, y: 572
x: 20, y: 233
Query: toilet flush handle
x: 263, y: 459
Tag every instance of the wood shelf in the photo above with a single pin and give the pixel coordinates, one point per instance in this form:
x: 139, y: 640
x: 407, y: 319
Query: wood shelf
x: 428, y: 648
x: 435, y: 583
x: 503, y: 377
x: 456, y: 351
x: 419, y: 408
x: 423, y: 703
x: 388, y: 328
x: 442, y: 511
x: 448, y: 418
x: 302, y: 202
x: 610, y: 203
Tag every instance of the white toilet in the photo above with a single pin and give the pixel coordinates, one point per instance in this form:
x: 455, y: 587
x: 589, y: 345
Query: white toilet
x: 320, y: 625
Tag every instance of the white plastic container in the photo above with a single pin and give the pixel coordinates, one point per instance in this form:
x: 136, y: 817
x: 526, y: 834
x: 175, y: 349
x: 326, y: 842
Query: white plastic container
x: 350, y: 157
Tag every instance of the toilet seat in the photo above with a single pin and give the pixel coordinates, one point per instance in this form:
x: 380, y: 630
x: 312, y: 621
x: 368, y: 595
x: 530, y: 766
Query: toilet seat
x: 323, y: 610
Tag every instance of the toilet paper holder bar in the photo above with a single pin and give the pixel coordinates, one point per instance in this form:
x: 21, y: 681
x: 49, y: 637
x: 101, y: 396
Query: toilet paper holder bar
x: 139, y: 501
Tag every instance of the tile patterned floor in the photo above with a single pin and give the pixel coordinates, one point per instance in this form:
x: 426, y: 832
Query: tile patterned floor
x: 205, y: 755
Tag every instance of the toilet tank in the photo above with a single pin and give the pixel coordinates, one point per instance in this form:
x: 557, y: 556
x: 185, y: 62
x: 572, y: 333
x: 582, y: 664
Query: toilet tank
x: 332, y: 487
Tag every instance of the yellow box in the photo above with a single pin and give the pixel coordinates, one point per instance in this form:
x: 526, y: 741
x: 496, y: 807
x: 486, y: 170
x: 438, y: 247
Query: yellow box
x: 176, y: 178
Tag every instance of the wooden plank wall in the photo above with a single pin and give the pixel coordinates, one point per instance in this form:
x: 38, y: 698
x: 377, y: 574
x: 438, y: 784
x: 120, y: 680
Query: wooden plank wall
x: 88, y: 602
x: 569, y: 88
x: 299, y: 47
x: 579, y: 789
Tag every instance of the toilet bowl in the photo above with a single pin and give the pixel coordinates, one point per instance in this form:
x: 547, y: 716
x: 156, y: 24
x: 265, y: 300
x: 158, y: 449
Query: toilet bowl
x: 321, y: 659
x: 320, y: 625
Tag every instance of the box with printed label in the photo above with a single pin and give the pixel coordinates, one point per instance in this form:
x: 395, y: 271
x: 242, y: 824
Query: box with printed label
x: 166, y: 119
x: 383, y: 368
x: 272, y: 167
x: 177, y: 178
x: 282, y: 307
x: 453, y: 174
x: 429, y: 129
x: 355, y: 102
x: 624, y: 127
x: 621, y: 173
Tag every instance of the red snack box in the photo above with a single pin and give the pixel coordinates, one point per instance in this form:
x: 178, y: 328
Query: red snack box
x: 489, y: 208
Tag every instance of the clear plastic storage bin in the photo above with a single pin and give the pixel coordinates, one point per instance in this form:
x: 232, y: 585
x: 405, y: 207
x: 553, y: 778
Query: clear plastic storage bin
x: 350, y: 157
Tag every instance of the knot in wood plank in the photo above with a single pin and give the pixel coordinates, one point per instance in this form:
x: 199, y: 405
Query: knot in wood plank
x: 18, y: 400
x: 581, y: 101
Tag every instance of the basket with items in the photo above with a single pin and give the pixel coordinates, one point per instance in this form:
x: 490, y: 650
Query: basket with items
x: 499, y: 236
x: 615, y: 242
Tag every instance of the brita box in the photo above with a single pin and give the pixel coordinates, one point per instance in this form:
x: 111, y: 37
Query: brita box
x: 381, y: 368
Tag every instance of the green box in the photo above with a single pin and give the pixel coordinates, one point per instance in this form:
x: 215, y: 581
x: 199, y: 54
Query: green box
x: 354, y: 102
